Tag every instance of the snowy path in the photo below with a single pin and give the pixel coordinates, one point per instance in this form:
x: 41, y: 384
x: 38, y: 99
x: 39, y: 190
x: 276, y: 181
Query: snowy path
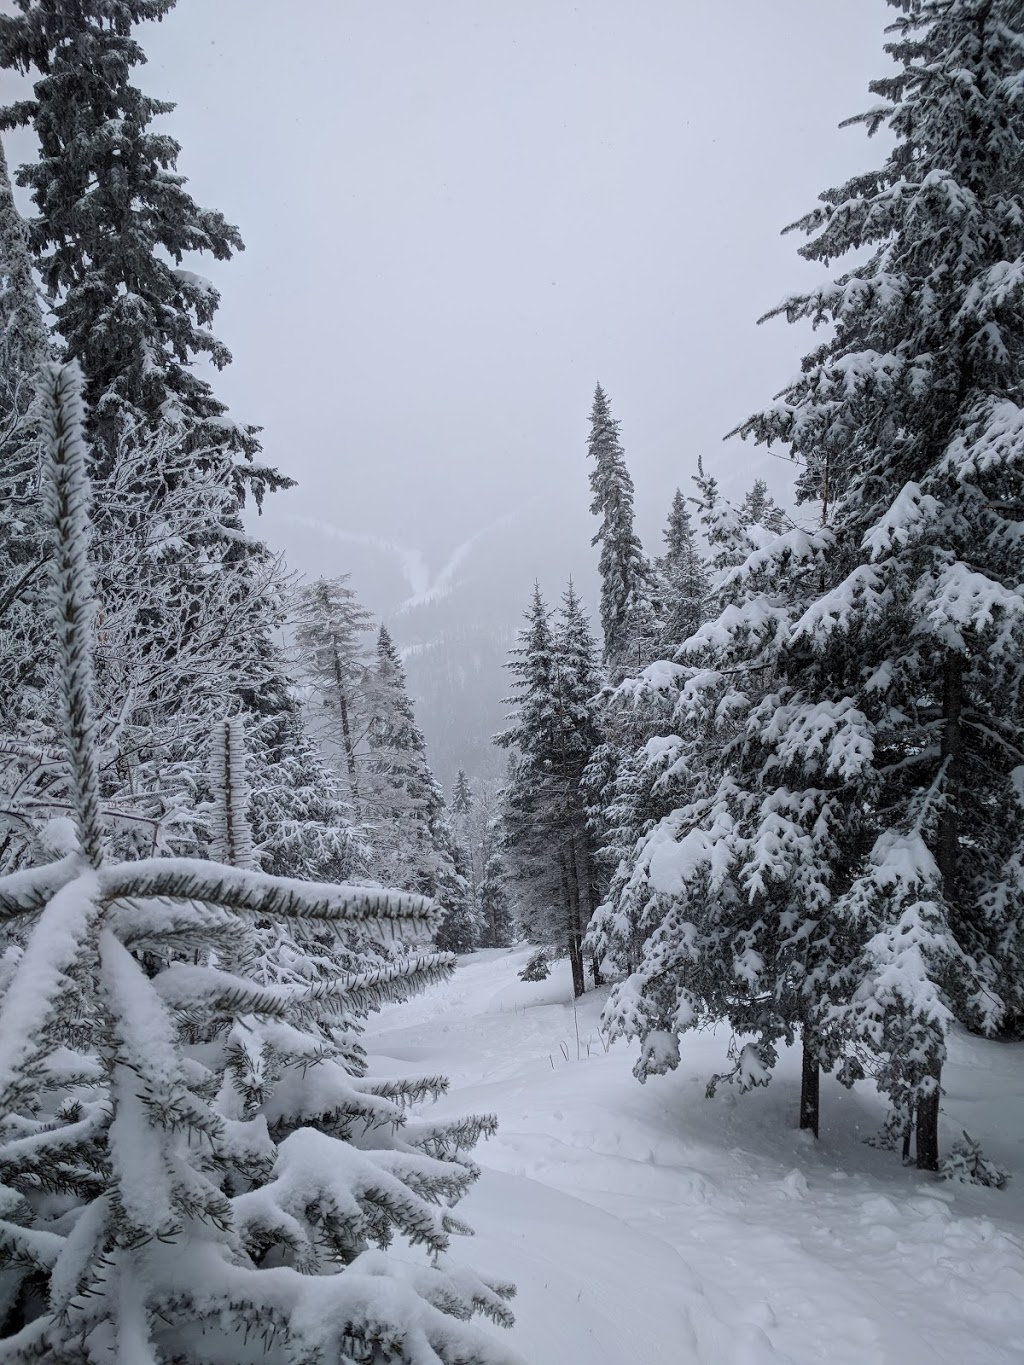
x: 650, y: 1225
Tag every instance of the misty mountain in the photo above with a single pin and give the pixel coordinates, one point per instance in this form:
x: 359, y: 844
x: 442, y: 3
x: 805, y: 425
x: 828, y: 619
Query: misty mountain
x: 455, y: 612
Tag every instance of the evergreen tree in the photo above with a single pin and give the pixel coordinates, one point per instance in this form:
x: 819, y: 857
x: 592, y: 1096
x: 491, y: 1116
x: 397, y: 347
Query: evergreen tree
x: 461, y: 925
x: 114, y: 223
x: 459, y: 929
x: 850, y: 845
x: 497, y: 919
x: 759, y: 508
x: 682, y: 579
x: 552, y: 736
x: 180, y: 1179
x: 403, y: 799
x: 689, y: 916
x: 462, y: 796
x: 329, y: 630
x: 906, y: 426
x: 301, y: 810
x: 628, y: 607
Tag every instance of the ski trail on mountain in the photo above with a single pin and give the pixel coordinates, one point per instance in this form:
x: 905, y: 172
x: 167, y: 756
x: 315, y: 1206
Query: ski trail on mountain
x: 423, y: 587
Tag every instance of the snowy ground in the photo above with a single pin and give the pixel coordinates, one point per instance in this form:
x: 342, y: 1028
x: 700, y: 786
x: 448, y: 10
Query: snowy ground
x: 649, y: 1225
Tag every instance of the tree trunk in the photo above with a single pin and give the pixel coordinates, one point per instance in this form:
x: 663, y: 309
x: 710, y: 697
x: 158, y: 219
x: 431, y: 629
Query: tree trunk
x: 579, y: 981
x: 947, y: 855
x: 928, y: 1120
x: 948, y: 850
x: 346, y: 735
x: 595, y: 967
x: 572, y: 939
x: 810, y: 1082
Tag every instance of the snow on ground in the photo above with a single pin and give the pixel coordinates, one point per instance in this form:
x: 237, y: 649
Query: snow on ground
x: 650, y: 1225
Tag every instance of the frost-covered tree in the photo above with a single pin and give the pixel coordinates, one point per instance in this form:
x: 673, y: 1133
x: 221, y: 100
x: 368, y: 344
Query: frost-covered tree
x: 192, y: 1160
x: 301, y: 809
x: 189, y: 598
x: 878, y: 822
x: 682, y: 579
x: 24, y: 348
x: 330, y: 633
x: 23, y: 334
x: 629, y: 613
x: 459, y: 927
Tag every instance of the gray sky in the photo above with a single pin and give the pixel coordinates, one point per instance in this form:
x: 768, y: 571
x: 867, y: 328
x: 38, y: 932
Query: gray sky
x: 461, y: 214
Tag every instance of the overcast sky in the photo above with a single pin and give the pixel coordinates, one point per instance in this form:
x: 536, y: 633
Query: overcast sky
x: 460, y: 214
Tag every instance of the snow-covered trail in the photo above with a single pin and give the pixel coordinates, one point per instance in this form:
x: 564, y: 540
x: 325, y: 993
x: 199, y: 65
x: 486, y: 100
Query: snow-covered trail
x: 649, y: 1224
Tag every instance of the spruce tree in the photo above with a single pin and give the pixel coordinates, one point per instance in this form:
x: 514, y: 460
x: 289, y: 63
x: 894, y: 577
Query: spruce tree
x: 301, y: 809
x: 403, y: 799
x: 714, y: 909
x: 497, y: 920
x: 552, y: 736
x: 628, y: 590
x: 23, y: 335
x: 462, y: 795
x: 877, y: 823
x: 114, y: 222
x: 682, y: 579
x: 907, y: 426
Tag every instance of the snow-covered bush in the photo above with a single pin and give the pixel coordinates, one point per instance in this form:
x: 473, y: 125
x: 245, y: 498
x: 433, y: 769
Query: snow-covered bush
x: 538, y: 966
x: 193, y: 1167
x: 969, y: 1164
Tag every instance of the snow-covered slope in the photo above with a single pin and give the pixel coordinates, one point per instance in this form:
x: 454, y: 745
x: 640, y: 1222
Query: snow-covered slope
x: 651, y: 1226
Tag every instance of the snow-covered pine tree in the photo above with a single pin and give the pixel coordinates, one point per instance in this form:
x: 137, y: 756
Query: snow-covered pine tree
x: 178, y: 1182
x: 629, y: 609
x: 908, y: 424
x: 576, y: 683
x: 462, y: 794
x: 114, y: 223
x: 682, y: 579
x: 498, y: 922
x: 403, y: 800
x: 459, y: 928
x: 331, y: 626
x: 476, y: 823
x: 718, y: 907
x: 552, y: 736
x: 759, y: 508
x: 461, y: 925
